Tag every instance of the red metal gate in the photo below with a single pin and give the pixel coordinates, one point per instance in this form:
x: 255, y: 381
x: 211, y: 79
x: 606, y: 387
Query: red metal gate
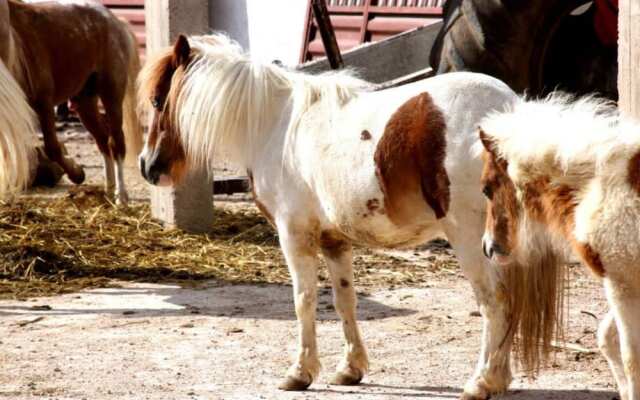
x: 360, y: 21
x: 131, y: 11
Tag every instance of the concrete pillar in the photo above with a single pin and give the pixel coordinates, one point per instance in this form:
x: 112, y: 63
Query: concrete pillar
x: 188, y: 206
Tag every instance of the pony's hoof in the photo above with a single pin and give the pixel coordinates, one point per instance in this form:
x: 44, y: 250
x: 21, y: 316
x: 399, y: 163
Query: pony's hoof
x: 348, y: 377
x: 291, y: 383
x: 467, y: 396
x: 77, y: 176
x: 122, y: 199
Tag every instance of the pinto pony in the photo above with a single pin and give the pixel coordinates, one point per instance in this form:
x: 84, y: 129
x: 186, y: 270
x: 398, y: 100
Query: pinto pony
x: 17, y: 120
x: 334, y: 163
x: 563, y: 177
x: 79, y: 50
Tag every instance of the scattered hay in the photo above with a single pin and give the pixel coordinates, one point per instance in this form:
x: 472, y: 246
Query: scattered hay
x: 56, y: 245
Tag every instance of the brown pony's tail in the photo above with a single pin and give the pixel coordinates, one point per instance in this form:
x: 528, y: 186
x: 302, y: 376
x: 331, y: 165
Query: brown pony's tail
x: 132, y: 127
x: 536, y: 287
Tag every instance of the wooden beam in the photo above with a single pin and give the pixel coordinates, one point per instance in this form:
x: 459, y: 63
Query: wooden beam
x: 629, y: 57
x: 326, y: 32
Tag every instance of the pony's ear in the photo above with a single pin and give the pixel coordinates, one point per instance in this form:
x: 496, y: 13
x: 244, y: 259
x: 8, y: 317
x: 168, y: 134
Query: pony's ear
x: 487, y: 142
x: 181, y: 51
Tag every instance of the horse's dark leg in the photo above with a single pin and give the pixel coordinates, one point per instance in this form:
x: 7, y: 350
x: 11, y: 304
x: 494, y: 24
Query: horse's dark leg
x: 52, y: 146
x: 112, y: 99
x: 87, y: 109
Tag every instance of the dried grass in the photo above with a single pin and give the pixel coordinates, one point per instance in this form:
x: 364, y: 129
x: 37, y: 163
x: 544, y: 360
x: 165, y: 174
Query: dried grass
x: 64, y: 244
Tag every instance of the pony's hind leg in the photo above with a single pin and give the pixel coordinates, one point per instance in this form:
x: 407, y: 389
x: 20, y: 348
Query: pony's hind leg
x: 52, y: 146
x: 87, y: 108
x: 338, y: 255
x: 301, y: 254
x: 113, y: 109
x: 493, y: 372
x: 623, y: 295
x: 609, y: 343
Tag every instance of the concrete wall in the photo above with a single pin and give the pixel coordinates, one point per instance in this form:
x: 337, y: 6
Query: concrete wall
x: 268, y: 29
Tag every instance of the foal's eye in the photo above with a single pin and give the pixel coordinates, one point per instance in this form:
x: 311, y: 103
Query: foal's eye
x: 487, y: 192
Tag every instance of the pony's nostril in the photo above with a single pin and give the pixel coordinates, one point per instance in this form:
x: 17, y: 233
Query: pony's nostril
x: 487, y: 249
x: 143, y: 169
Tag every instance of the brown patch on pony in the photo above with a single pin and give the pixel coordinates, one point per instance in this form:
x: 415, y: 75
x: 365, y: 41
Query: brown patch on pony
x: 590, y: 257
x: 261, y: 207
x: 344, y: 283
x: 365, y: 135
x: 373, y: 204
x: 410, y: 159
x: 633, y: 172
x: 554, y: 206
x: 333, y: 244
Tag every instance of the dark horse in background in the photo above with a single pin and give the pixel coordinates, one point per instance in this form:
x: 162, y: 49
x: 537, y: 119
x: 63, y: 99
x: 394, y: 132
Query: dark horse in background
x: 79, y: 50
x: 535, y: 46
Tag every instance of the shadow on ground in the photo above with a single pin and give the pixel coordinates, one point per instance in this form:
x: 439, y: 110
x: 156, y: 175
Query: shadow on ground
x: 261, y: 301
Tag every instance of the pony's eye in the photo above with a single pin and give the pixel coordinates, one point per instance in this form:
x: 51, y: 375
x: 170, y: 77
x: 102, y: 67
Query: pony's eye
x: 155, y: 102
x: 486, y: 190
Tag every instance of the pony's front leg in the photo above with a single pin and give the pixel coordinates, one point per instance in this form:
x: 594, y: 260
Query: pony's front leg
x: 338, y: 256
x: 301, y: 253
x: 623, y: 295
x: 609, y: 343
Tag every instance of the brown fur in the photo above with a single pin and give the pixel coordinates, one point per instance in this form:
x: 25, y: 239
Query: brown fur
x: 333, y: 244
x: 80, y: 52
x: 410, y: 159
x: 633, y: 172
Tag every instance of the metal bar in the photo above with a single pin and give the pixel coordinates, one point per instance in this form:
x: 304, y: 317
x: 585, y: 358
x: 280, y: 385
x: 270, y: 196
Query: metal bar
x: 326, y: 32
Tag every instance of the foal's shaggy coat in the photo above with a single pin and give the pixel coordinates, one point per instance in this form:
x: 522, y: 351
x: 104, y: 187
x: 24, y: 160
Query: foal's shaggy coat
x: 334, y: 163
x: 564, y: 177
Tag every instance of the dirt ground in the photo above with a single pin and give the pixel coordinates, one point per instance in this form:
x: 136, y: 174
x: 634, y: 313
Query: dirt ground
x: 220, y: 341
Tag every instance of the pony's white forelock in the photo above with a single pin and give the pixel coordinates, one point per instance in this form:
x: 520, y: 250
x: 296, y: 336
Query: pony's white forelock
x: 562, y: 136
x: 226, y: 102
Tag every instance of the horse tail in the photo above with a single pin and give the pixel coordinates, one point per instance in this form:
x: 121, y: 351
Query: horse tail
x: 17, y: 135
x: 132, y: 127
x: 536, y: 287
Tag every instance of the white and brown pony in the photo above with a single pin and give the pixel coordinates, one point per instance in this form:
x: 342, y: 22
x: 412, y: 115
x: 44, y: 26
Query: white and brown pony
x: 562, y: 178
x: 334, y: 163
x: 17, y: 120
x: 78, y: 50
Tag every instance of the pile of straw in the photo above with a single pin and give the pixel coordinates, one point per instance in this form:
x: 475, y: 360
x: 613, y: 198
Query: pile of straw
x: 64, y: 244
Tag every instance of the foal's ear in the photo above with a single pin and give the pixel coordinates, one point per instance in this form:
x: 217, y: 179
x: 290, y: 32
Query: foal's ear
x: 487, y: 142
x: 181, y: 51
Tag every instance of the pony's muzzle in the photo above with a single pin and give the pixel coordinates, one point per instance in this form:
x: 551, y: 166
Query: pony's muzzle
x: 154, y: 171
x: 493, y: 251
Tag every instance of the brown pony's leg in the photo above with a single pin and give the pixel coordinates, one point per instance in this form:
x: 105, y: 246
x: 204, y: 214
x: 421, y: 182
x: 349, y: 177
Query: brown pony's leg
x: 112, y: 97
x: 53, y: 147
x: 87, y: 108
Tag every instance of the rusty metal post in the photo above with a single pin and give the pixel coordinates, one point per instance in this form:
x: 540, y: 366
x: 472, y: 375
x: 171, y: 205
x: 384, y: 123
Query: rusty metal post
x: 329, y: 41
